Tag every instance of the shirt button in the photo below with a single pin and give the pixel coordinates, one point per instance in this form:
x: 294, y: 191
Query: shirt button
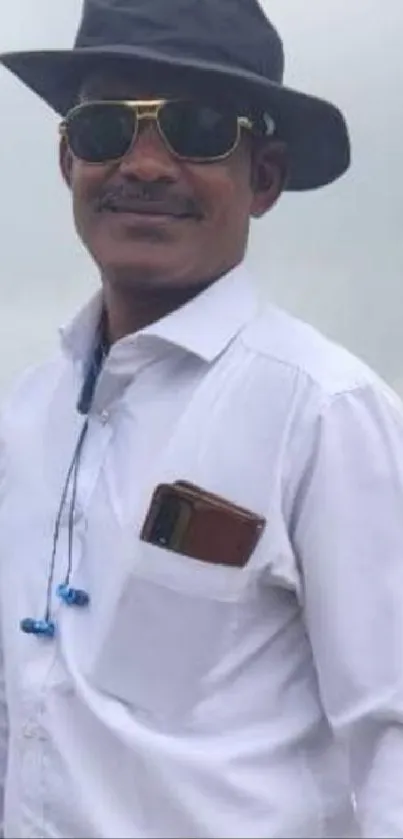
x: 29, y: 731
x: 77, y: 515
x: 104, y: 417
x: 32, y: 731
x: 76, y: 518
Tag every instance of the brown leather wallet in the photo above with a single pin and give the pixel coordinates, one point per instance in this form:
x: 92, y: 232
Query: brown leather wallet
x: 190, y: 520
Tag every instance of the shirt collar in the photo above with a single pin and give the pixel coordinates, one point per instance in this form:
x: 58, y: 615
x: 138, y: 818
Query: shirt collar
x: 204, y: 327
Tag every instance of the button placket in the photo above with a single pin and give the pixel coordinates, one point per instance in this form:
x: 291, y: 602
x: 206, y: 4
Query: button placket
x: 98, y: 439
x: 33, y: 745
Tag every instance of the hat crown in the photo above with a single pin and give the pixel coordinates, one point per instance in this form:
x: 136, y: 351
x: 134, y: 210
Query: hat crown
x: 228, y: 32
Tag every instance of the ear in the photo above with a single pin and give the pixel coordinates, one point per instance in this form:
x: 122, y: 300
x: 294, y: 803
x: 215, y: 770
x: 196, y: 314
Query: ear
x: 65, y: 161
x: 269, y: 175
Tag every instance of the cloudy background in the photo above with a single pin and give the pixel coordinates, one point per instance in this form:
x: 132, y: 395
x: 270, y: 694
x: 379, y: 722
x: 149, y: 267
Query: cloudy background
x: 334, y: 257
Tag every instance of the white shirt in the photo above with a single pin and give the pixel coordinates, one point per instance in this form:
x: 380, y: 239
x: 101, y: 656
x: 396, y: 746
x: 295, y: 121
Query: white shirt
x: 198, y: 700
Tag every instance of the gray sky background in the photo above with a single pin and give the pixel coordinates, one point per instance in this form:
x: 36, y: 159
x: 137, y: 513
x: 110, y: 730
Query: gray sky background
x: 334, y: 257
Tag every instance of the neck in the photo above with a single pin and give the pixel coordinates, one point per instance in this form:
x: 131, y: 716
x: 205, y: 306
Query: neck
x: 130, y: 310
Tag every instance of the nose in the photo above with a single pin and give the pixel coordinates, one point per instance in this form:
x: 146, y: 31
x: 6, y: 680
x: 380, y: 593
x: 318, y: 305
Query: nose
x: 149, y: 159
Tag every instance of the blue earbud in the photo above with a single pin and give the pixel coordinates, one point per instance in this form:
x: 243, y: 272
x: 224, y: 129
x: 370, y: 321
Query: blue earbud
x: 45, y: 628
x: 73, y: 596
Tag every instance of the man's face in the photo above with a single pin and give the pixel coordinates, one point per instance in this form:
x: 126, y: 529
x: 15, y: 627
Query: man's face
x: 152, y: 220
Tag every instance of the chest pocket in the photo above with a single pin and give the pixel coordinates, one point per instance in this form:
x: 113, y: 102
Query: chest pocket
x: 172, y: 622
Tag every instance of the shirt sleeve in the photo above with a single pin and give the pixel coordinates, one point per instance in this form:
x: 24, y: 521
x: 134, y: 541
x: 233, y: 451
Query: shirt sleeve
x: 3, y: 741
x: 3, y: 700
x: 348, y: 536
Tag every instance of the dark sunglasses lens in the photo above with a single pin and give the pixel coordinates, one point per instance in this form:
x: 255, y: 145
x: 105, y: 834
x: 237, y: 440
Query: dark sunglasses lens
x: 197, y: 132
x: 98, y: 133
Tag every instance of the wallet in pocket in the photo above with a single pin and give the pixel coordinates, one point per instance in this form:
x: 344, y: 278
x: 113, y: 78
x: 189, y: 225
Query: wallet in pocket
x: 190, y: 520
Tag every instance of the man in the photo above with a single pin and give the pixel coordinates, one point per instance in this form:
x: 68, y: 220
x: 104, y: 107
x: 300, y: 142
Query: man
x: 201, y: 504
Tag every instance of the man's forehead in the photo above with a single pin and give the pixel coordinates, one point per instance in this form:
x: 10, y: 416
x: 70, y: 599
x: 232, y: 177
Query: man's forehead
x: 129, y: 85
x: 124, y: 84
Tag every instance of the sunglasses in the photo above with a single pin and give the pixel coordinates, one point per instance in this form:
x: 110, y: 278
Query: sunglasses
x: 105, y: 131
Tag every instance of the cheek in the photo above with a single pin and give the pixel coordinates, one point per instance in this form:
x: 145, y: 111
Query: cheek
x: 225, y: 191
x: 80, y: 193
x: 229, y: 204
x: 87, y: 183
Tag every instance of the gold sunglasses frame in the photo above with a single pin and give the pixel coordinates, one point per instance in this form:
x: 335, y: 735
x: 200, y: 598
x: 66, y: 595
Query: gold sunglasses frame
x: 150, y: 110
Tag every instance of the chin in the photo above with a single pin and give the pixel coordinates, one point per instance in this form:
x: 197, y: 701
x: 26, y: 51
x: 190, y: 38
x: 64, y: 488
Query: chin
x: 146, y: 276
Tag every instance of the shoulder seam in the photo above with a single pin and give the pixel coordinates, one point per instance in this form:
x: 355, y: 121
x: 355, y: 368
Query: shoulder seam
x: 352, y: 387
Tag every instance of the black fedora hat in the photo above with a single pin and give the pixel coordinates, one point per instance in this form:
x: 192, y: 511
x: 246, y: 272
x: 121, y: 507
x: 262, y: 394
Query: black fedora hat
x: 227, y: 43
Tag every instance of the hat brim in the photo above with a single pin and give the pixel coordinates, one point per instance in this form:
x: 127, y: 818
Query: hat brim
x: 314, y: 130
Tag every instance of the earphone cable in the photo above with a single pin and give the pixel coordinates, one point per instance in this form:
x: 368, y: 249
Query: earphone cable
x: 56, y: 532
x: 72, y: 509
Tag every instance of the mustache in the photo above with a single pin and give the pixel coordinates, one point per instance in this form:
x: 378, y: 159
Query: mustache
x: 153, y: 197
